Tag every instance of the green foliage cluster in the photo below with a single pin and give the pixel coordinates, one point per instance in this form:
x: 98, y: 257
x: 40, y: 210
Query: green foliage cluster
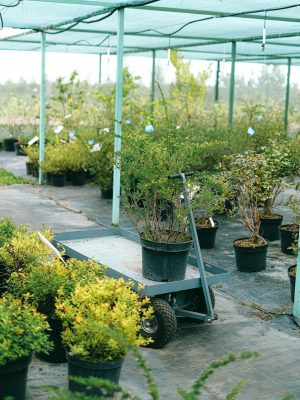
x: 7, y: 228
x: 42, y: 284
x: 101, y: 319
x: 7, y: 178
x: 22, y: 330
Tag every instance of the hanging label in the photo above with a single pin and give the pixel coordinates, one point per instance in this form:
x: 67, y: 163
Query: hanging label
x: 33, y: 140
x: 250, y: 131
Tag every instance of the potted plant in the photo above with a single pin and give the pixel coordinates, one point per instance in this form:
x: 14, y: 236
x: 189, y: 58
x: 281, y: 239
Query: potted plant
x: 55, y: 163
x: 42, y: 284
x: 155, y: 204
x: 208, y: 199
x: 7, y: 228
x: 289, y: 232
x: 279, y: 168
x: 245, y: 184
x: 22, y: 331
x: 101, y: 319
x: 76, y: 164
x: 32, y: 162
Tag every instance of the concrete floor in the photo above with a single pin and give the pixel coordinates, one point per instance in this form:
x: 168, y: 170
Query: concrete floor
x: 240, y: 326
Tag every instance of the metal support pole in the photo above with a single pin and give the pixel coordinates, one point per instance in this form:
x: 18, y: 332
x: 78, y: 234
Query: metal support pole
x: 152, y: 94
x: 217, y: 82
x: 287, y: 95
x: 100, y: 69
x: 232, y: 78
x: 296, y: 309
x: 118, y: 119
x: 42, y: 107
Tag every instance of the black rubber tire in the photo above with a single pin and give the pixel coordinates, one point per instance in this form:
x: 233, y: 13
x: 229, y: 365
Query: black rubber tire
x: 197, y: 301
x: 165, y: 319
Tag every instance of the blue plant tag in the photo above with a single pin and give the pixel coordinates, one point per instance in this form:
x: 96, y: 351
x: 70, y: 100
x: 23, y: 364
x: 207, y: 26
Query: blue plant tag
x: 72, y: 134
x: 128, y: 122
x: 149, y: 128
x: 250, y: 131
x: 91, y: 141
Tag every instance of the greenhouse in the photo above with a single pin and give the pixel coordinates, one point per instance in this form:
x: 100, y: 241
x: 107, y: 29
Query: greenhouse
x: 149, y: 199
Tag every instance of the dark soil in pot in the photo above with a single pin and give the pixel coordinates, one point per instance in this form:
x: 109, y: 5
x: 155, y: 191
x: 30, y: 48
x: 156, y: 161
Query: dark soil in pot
x: 207, y: 235
x: 250, y: 257
x: 13, y: 378
x: 78, y: 178
x: 58, y: 353
x: 164, y: 262
x: 9, y: 144
x: 106, y: 370
x: 269, y: 226
x: 288, y: 235
x: 292, y: 277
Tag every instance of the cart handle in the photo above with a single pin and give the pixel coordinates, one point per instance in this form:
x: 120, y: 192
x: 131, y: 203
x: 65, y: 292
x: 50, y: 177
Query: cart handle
x: 179, y: 175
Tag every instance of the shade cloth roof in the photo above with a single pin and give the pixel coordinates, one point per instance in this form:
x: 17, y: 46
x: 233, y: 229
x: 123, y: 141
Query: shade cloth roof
x: 153, y: 26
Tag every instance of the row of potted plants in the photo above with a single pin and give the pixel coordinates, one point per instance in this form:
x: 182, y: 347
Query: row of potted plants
x: 51, y: 305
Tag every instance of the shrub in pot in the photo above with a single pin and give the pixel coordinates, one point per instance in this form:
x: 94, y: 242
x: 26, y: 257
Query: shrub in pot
x: 7, y: 228
x: 101, y: 319
x: 22, y: 331
x: 208, y: 199
x: 43, y: 282
x: 147, y: 160
x: 289, y: 232
x: 246, y: 185
x: 77, y: 161
x: 32, y: 160
x: 55, y: 164
x: 276, y: 175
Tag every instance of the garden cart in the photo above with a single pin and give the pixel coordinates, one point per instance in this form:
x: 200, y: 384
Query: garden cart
x: 120, y: 251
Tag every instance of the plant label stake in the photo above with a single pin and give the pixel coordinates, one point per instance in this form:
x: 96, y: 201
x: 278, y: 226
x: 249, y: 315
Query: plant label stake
x: 182, y: 176
x: 50, y: 245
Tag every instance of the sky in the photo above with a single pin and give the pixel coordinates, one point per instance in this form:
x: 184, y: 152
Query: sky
x: 16, y: 65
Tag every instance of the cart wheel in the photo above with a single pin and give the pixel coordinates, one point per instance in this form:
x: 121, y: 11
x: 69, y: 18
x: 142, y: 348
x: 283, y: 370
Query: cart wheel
x: 162, y: 327
x: 197, y: 301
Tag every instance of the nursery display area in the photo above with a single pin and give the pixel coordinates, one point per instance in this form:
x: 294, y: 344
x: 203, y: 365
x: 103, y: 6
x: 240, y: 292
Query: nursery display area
x: 149, y: 238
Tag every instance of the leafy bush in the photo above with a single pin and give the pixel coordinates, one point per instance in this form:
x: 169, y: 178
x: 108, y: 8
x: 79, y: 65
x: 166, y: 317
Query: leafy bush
x: 22, y: 330
x: 7, y: 228
x: 97, y: 315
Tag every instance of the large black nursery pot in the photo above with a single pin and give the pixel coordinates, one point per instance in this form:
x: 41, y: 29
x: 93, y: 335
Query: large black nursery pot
x: 110, y: 370
x: 106, y: 193
x: 288, y: 235
x: 78, y: 178
x: 58, y: 353
x: 35, y: 171
x: 269, y: 227
x: 292, y: 278
x: 250, y: 259
x: 58, y: 180
x: 164, y: 262
x: 9, y: 144
x: 207, y: 235
x: 13, y: 378
x: 29, y: 168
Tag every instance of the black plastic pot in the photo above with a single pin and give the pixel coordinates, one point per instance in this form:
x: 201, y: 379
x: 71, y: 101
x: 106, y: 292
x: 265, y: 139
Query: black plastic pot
x: 35, y: 171
x: 9, y: 144
x: 78, y: 178
x: 106, y: 193
x: 164, y: 262
x: 207, y: 236
x: 110, y: 370
x: 19, y: 150
x: 29, y: 168
x: 287, y: 238
x: 292, y: 282
x: 58, y: 354
x: 250, y: 259
x: 13, y: 378
x: 58, y: 180
x: 269, y: 227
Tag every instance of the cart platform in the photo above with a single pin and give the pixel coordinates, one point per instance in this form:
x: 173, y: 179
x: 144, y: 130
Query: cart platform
x: 120, y: 251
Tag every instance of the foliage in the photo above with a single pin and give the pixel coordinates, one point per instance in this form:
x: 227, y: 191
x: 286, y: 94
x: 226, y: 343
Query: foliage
x: 7, y: 178
x: 42, y: 283
x: 94, y: 311
x: 56, y: 159
x: 7, y: 227
x: 208, y: 197
x: 279, y: 168
x: 248, y: 187
x: 33, y: 154
x: 22, y: 330
x: 24, y: 250
x: 15, y: 113
x: 294, y: 206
